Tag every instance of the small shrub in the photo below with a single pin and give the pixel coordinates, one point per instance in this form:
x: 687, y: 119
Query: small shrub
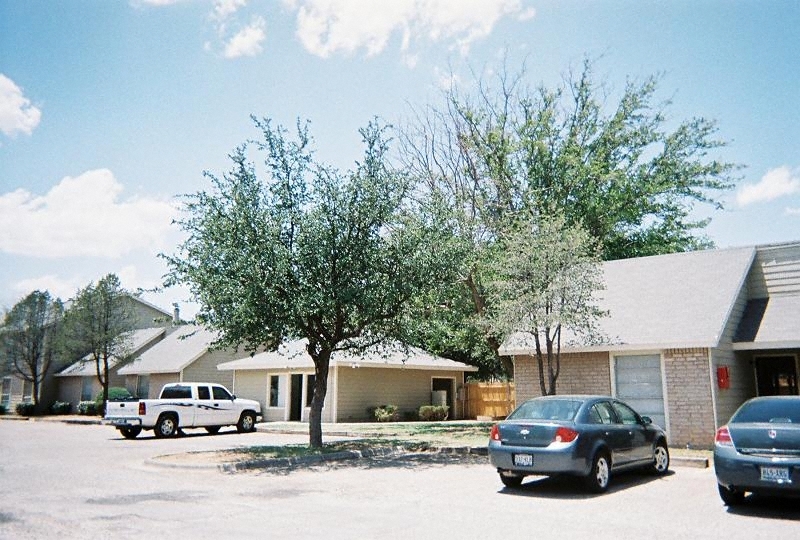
x: 433, y: 413
x: 387, y: 413
x: 26, y: 409
x: 88, y: 408
x: 60, y: 407
x: 3, y: 410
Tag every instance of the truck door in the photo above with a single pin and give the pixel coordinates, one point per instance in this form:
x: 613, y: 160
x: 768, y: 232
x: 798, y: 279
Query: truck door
x: 204, y: 413
x: 224, y: 407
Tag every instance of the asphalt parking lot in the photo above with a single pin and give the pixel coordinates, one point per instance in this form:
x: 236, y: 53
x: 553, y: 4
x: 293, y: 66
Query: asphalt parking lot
x: 76, y: 481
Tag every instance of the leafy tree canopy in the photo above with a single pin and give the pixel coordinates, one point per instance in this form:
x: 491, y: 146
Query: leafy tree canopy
x: 306, y: 251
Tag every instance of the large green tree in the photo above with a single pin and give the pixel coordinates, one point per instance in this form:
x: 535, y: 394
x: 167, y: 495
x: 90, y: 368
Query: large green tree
x: 620, y: 169
x: 303, y: 250
x: 30, y: 338
x: 98, y: 323
x: 542, y: 290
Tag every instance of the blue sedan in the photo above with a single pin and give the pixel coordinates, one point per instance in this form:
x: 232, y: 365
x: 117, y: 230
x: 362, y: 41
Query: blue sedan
x: 759, y: 450
x: 586, y: 436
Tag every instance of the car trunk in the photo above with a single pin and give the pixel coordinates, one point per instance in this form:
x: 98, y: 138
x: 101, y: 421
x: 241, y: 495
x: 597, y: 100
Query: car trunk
x: 530, y: 434
x: 766, y: 439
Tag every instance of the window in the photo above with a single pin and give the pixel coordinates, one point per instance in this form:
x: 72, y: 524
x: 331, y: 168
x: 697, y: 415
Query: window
x: 203, y: 392
x: 86, y: 389
x: 143, y: 386
x: 310, y: 382
x: 276, y: 397
x: 176, y: 392
x: 27, y: 391
x: 220, y: 393
x: 5, y: 396
x: 603, y: 412
x: 626, y: 415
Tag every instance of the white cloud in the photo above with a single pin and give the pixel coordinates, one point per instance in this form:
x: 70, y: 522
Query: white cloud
x: 793, y: 211
x: 16, y: 112
x: 57, y: 286
x: 326, y: 27
x: 775, y: 184
x: 225, y: 8
x: 83, y: 216
x: 247, y: 42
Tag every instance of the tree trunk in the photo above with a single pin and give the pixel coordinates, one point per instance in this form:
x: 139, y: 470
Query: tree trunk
x: 321, y: 359
x: 479, y: 302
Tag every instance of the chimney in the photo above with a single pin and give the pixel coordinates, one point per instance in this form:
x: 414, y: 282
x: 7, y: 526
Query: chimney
x: 176, y: 314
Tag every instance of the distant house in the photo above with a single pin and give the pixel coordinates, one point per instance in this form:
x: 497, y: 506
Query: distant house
x: 690, y: 336
x: 15, y: 390
x: 283, y: 382
x: 79, y: 381
x: 184, y: 355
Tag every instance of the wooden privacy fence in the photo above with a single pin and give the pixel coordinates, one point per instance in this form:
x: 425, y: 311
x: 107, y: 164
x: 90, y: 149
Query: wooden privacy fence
x: 493, y: 400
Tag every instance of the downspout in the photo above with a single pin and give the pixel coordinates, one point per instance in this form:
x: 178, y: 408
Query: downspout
x: 713, y: 382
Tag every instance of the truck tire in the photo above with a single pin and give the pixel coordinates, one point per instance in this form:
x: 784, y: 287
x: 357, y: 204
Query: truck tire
x: 167, y: 426
x: 130, y: 432
x: 247, y: 422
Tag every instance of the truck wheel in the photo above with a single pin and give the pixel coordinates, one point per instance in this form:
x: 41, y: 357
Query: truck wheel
x: 130, y: 432
x: 166, y: 426
x: 247, y: 422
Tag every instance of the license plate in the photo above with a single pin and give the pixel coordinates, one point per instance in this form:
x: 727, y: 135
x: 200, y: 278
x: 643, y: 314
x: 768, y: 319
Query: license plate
x: 523, y: 460
x: 775, y: 474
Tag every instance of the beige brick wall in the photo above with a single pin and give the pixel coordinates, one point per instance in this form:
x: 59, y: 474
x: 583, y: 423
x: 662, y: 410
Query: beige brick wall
x: 688, y: 383
x: 581, y: 373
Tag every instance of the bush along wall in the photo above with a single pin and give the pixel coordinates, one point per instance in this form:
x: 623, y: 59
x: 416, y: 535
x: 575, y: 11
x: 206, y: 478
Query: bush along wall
x: 60, y: 407
x: 433, y: 413
x: 26, y: 409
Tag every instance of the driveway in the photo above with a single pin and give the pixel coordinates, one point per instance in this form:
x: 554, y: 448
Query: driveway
x: 73, y: 481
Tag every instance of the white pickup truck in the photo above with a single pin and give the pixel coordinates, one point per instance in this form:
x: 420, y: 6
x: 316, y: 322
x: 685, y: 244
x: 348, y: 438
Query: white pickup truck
x: 183, y: 405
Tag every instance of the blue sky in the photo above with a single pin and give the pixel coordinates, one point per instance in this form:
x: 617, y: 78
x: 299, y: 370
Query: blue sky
x: 109, y: 109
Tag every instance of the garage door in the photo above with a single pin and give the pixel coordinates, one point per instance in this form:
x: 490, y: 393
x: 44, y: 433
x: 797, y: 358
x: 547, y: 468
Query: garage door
x: 638, y: 383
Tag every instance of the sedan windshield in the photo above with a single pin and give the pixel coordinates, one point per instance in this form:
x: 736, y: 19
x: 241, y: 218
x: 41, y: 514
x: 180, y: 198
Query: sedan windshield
x: 547, y: 409
x: 779, y: 411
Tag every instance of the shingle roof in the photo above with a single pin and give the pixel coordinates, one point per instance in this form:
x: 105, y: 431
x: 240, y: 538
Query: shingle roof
x: 770, y: 324
x: 675, y: 300
x: 173, y: 353
x: 135, y: 341
x: 294, y: 355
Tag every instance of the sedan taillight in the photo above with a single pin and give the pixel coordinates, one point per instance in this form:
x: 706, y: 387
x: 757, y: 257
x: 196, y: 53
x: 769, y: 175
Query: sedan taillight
x: 565, y: 435
x: 495, y: 434
x: 723, y: 437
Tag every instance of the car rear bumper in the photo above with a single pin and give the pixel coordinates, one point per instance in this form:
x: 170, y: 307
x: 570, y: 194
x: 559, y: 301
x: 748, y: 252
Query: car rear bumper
x: 744, y: 472
x: 121, y: 421
x: 545, y: 461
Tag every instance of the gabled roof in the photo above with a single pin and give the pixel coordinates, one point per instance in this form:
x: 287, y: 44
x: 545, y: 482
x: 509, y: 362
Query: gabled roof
x: 663, y: 301
x: 173, y: 353
x: 135, y: 341
x: 293, y: 355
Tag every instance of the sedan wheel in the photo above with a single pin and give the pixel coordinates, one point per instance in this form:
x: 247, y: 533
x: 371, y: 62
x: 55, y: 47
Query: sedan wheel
x: 599, y: 475
x: 661, y: 459
x: 730, y: 495
x: 511, y: 481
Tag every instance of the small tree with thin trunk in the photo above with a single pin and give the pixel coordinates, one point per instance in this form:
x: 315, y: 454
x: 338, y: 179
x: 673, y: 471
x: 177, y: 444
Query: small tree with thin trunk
x: 98, y: 323
x: 29, y: 338
x: 543, y: 286
x: 307, y: 252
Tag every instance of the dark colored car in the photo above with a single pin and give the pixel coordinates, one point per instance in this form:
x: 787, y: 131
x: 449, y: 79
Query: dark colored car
x: 759, y: 450
x: 586, y: 436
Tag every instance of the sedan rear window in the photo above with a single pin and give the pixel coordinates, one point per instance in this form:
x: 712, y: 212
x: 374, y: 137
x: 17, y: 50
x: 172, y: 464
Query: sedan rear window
x: 776, y: 411
x: 547, y: 409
